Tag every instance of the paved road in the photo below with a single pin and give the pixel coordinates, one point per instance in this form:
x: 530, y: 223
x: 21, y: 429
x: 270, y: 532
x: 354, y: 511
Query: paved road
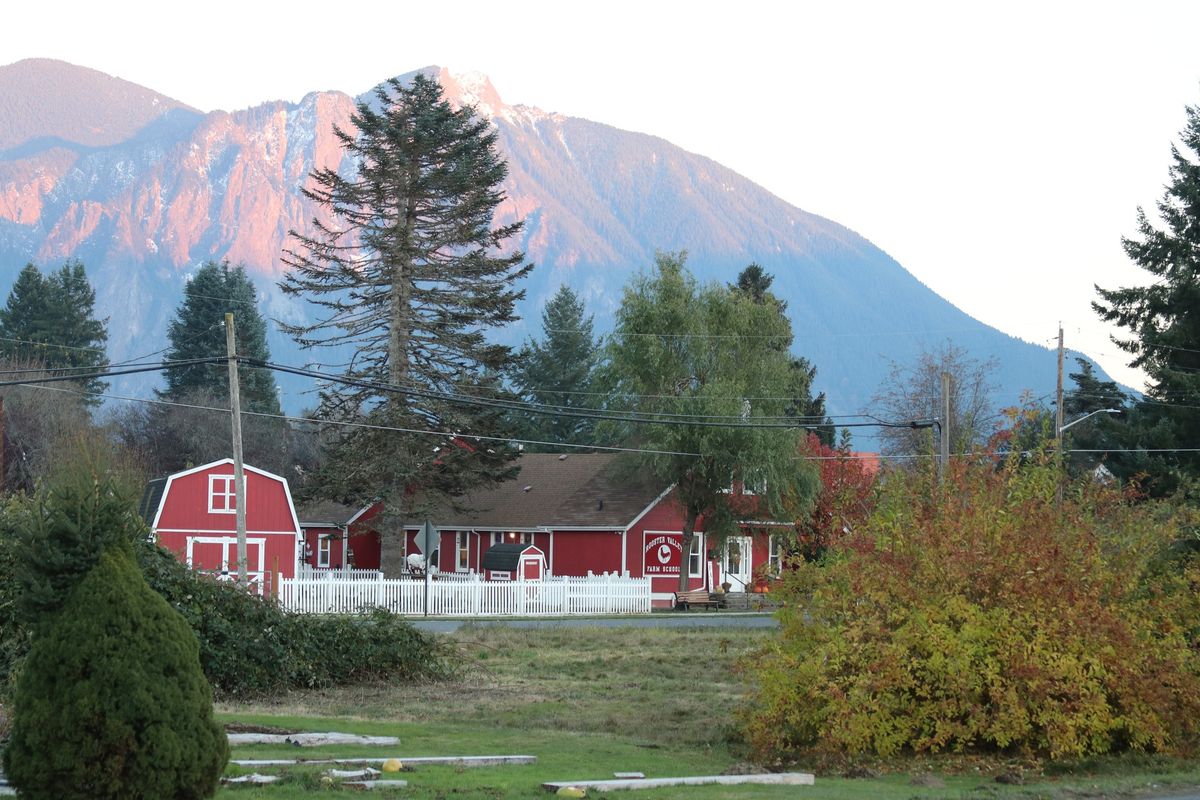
x: 722, y: 619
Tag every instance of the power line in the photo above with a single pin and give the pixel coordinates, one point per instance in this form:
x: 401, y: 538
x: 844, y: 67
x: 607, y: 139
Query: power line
x: 339, y: 423
x: 110, y: 373
x: 535, y: 409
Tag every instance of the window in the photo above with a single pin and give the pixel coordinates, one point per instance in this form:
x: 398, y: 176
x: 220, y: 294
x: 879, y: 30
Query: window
x: 222, y: 494
x: 774, y: 555
x: 696, y: 558
x: 512, y: 537
x: 324, y: 547
x: 464, y: 551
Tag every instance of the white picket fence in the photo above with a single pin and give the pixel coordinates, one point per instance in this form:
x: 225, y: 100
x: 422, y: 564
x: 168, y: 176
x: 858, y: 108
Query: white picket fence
x: 468, y: 596
x: 337, y: 574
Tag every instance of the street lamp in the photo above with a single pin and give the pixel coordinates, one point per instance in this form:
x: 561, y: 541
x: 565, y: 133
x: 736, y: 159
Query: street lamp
x: 1089, y: 414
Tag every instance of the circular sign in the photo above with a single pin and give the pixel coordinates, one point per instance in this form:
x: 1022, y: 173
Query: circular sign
x: 664, y: 553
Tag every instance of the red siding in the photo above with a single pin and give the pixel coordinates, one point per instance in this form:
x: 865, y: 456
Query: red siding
x: 577, y: 552
x: 185, y: 506
x: 271, y: 530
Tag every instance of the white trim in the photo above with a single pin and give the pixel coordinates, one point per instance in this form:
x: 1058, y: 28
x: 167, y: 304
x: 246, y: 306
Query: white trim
x: 624, y: 553
x: 648, y: 508
x: 287, y: 492
x: 229, y: 494
x: 462, y: 543
x: 325, y: 548
x: 360, y: 512
x: 225, y: 531
x: 225, y: 542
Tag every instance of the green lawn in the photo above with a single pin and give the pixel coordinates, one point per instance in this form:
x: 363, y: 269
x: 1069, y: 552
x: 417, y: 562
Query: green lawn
x: 593, y: 701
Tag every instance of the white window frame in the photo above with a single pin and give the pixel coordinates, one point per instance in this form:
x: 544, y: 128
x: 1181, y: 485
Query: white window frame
x: 519, y: 537
x: 228, y: 494
x: 774, y: 555
x: 464, y: 551
x: 324, y: 550
x: 696, y: 557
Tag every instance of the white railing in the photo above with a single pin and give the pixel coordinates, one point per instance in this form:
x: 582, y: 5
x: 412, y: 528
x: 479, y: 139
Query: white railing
x: 469, y: 596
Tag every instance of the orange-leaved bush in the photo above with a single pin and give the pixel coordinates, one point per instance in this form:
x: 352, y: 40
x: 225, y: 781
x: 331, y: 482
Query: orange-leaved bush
x: 981, y: 615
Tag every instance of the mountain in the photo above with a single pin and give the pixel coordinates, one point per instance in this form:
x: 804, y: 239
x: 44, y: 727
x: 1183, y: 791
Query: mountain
x: 143, y: 189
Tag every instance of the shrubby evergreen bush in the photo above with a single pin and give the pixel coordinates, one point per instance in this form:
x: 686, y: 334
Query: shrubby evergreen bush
x: 981, y: 616
x: 112, y: 702
x: 249, y: 646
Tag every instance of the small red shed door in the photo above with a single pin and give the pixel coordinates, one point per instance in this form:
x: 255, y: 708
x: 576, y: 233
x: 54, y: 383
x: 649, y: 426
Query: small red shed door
x: 531, y: 568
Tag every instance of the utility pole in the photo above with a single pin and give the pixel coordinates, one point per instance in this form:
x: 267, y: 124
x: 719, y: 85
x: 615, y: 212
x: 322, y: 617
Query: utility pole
x: 944, y: 450
x: 1058, y: 402
x: 1058, y: 422
x: 239, y: 473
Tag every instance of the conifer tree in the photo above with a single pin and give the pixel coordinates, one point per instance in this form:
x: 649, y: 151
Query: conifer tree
x: 409, y: 274
x: 112, y: 702
x: 1101, y: 432
x: 1163, y: 316
x: 557, y: 371
x: 197, y: 331
x: 50, y: 319
x: 754, y: 283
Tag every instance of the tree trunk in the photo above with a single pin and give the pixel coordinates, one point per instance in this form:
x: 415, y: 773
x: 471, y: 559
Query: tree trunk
x: 689, y: 533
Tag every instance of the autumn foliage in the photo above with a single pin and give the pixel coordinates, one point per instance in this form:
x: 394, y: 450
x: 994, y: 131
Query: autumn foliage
x: 979, y: 615
x: 844, y: 502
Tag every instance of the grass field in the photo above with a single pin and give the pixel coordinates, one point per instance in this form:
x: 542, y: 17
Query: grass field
x: 592, y: 701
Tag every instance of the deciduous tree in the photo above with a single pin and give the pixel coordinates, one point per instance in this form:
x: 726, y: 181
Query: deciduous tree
x: 914, y: 392
x: 706, y: 362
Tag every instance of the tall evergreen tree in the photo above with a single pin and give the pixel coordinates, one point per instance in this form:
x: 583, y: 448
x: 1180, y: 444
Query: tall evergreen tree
x: 1163, y: 316
x: 754, y: 283
x: 50, y: 319
x: 557, y: 371
x: 409, y: 273
x: 198, y: 331
x: 1090, y: 395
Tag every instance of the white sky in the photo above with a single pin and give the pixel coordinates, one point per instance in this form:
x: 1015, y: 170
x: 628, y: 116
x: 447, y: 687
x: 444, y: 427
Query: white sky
x: 998, y: 151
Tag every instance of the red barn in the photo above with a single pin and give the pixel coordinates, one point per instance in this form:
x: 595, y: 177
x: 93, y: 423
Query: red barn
x: 194, y: 513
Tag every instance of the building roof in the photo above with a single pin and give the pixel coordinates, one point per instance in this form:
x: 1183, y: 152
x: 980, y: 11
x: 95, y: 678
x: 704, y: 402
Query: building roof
x: 506, y: 557
x: 552, y: 490
x: 327, y: 514
x: 151, y: 498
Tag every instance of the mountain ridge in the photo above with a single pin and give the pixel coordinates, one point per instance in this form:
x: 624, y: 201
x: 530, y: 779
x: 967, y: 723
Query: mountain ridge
x: 598, y: 202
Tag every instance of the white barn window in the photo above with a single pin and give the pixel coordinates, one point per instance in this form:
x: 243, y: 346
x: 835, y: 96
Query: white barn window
x: 222, y: 494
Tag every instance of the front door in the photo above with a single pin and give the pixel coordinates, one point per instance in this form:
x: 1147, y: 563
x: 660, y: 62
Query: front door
x: 735, y: 566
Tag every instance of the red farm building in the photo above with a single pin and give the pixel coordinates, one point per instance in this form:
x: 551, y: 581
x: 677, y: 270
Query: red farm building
x: 580, y: 511
x: 194, y: 514
x: 338, y: 536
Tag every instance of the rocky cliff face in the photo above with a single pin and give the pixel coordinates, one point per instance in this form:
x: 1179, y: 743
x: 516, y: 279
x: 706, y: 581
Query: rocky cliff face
x: 143, y: 189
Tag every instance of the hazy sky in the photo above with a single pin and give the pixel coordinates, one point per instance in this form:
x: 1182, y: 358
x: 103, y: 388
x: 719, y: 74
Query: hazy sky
x: 998, y: 151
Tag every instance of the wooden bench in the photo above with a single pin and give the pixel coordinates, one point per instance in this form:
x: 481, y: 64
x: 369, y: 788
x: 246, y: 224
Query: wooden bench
x: 697, y: 597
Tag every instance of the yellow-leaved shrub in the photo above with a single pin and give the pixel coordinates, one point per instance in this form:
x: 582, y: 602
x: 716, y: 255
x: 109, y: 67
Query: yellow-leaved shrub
x: 982, y: 615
